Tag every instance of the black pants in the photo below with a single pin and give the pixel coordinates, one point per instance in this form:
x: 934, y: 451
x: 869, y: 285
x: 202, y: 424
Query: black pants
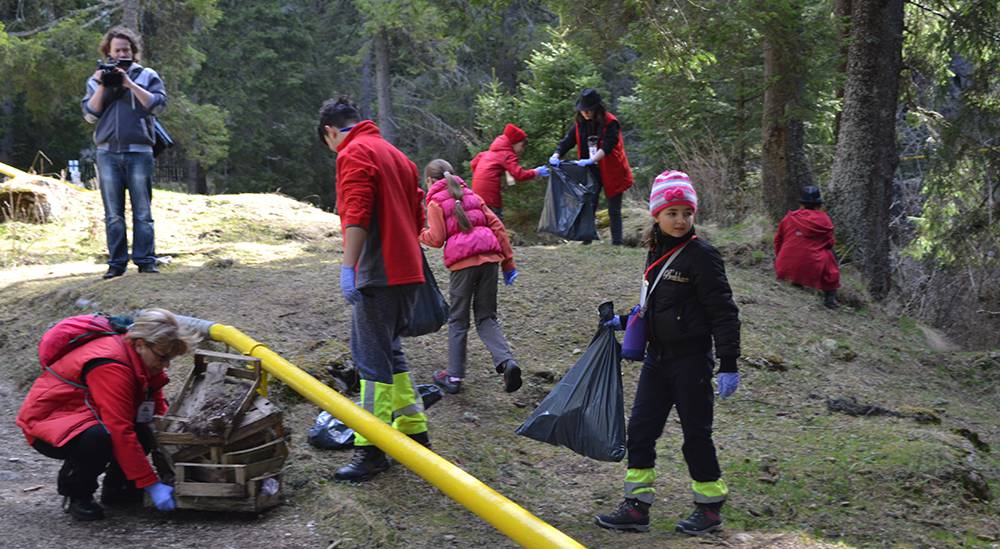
x: 86, y: 456
x: 684, y: 383
x: 614, y: 215
x: 498, y: 212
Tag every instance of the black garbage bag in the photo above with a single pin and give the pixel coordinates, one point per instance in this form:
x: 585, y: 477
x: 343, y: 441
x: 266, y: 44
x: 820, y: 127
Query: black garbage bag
x: 431, y: 310
x: 585, y: 412
x: 329, y: 433
x: 569, y: 203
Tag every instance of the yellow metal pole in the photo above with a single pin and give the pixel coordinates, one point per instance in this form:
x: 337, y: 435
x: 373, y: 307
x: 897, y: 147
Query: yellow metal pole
x: 505, y: 515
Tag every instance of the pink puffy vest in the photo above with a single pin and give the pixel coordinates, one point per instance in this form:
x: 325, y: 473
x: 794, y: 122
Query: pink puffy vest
x: 459, y: 245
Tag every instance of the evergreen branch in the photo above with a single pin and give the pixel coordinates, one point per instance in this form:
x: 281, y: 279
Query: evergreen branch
x: 113, y: 5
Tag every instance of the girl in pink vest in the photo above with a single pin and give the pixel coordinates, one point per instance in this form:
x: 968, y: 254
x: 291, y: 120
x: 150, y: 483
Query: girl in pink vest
x: 475, y: 248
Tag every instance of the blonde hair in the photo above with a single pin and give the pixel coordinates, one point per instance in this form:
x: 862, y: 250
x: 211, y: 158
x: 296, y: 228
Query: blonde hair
x: 440, y: 169
x: 160, y: 329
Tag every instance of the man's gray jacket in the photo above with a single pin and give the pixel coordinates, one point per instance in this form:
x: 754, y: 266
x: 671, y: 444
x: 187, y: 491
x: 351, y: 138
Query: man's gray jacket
x: 123, y: 124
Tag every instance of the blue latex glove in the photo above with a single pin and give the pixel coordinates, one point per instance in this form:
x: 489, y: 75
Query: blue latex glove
x: 351, y: 294
x: 585, y: 162
x: 616, y: 321
x: 509, y: 277
x: 542, y: 171
x: 728, y: 383
x: 162, y: 495
x: 554, y: 159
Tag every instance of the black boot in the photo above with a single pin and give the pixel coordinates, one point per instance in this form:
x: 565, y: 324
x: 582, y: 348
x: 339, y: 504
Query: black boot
x: 367, y: 462
x: 118, y: 490
x: 830, y: 299
x: 705, y: 518
x: 83, y: 508
x: 511, y: 375
x: 632, y: 514
x: 422, y: 438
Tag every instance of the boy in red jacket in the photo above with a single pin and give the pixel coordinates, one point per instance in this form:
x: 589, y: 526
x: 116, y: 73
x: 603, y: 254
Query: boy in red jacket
x: 488, y: 167
x: 803, y: 248
x: 380, y: 205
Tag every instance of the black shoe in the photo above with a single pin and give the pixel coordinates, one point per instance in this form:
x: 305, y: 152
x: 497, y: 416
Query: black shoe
x: 84, y: 509
x: 113, y: 272
x: 451, y: 385
x: 511, y: 375
x: 117, y: 490
x: 422, y: 438
x: 632, y: 514
x: 367, y: 462
x: 148, y: 268
x: 830, y: 300
x: 704, y: 519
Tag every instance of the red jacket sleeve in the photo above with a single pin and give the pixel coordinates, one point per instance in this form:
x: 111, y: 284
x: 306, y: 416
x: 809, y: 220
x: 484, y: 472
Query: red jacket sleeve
x: 356, y: 174
x: 437, y: 231
x: 779, y: 238
x: 501, y: 233
x: 112, y: 391
x: 510, y: 164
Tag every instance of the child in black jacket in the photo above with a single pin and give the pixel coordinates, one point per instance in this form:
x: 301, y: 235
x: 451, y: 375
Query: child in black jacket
x: 688, y: 305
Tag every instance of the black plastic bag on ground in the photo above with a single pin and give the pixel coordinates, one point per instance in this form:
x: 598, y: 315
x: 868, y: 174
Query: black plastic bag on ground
x: 430, y: 312
x: 569, y: 203
x: 585, y: 412
x: 329, y: 433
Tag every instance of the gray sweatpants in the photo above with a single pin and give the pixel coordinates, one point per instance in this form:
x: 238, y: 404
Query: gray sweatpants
x: 376, y: 323
x: 475, y: 286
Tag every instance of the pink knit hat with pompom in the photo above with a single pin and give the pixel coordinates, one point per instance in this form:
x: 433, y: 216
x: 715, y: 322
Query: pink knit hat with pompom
x: 672, y: 188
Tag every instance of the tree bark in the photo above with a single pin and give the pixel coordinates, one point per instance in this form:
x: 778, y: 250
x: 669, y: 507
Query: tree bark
x: 130, y: 14
x: 866, y: 156
x: 842, y: 10
x: 197, y: 180
x: 383, y: 86
x: 366, y: 102
x: 784, y: 166
x: 7, y: 139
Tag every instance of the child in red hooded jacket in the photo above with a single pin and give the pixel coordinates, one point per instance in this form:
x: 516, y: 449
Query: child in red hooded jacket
x: 489, y: 167
x: 803, y: 248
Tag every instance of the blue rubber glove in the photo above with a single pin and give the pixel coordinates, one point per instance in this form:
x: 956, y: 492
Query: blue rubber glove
x: 542, y: 171
x: 728, y: 383
x: 351, y: 294
x: 554, y: 159
x: 585, y: 162
x: 162, y: 495
x: 509, y: 277
x: 616, y: 321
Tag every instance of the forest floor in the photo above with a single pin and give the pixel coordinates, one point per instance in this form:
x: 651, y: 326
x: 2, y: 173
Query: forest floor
x: 802, y: 472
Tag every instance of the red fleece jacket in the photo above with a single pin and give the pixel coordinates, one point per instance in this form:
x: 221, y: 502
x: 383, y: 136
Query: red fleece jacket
x: 803, y: 250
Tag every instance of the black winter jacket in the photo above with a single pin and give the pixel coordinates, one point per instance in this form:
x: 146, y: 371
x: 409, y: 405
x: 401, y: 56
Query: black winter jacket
x: 693, y: 303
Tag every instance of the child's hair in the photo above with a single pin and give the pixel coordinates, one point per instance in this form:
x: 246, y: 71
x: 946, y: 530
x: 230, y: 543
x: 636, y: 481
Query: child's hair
x: 337, y: 114
x: 651, y: 237
x: 440, y: 169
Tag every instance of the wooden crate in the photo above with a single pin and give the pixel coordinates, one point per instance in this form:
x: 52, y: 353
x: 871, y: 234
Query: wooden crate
x: 261, y: 493
x: 261, y: 423
x: 170, y: 429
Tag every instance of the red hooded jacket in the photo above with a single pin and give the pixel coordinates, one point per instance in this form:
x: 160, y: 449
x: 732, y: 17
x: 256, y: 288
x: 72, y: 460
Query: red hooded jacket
x: 488, y: 168
x: 378, y: 189
x: 56, y: 412
x: 803, y: 250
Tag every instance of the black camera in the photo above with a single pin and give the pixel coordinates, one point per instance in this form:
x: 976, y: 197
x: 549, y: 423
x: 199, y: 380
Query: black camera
x: 110, y: 78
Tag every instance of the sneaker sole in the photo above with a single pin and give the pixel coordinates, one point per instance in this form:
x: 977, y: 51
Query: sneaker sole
x: 622, y: 527
x: 512, y: 378
x: 450, y: 391
x: 708, y: 530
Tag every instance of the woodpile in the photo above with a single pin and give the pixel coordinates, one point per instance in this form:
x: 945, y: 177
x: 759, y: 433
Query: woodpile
x: 224, y: 442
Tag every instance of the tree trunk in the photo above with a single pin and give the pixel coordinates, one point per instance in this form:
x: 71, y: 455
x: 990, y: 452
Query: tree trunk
x: 784, y: 166
x: 197, y: 181
x: 866, y: 157
x: 842, y: 10
x: 6, y: 133
x: 367, y: 100
x: 383, y: 86
x: 130, y: 14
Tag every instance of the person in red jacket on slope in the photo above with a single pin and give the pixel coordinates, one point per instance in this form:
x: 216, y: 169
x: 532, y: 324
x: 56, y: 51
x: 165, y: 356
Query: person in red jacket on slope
x: 489, y: 167
x: 91, y: 408
x: 803, y: 248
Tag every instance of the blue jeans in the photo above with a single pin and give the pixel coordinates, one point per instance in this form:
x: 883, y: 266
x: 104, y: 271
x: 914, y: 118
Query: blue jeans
x: 118, y: 172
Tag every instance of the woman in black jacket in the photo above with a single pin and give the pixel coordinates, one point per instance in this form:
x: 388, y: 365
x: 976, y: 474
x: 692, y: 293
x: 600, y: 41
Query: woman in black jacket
x: 688, y: 305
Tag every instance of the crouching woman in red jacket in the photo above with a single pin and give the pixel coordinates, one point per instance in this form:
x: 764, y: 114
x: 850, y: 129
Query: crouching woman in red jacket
x: 91, y: 406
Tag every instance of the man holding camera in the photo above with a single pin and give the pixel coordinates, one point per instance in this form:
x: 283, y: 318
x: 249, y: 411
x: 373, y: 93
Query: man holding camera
x: 122, y: 96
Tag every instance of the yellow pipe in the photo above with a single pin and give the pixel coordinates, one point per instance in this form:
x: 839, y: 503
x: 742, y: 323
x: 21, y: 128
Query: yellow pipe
x: 510, y: 518
x: 15, y: 173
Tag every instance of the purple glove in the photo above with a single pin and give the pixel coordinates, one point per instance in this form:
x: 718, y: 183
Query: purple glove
x: 509, y: 277
x: 616, y: 321
x: 728, y: 383
x: 554, y: 159
x: 585, y: 162
x: 542, y: 171
x: 162, y: 495
x: 351, y: 294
